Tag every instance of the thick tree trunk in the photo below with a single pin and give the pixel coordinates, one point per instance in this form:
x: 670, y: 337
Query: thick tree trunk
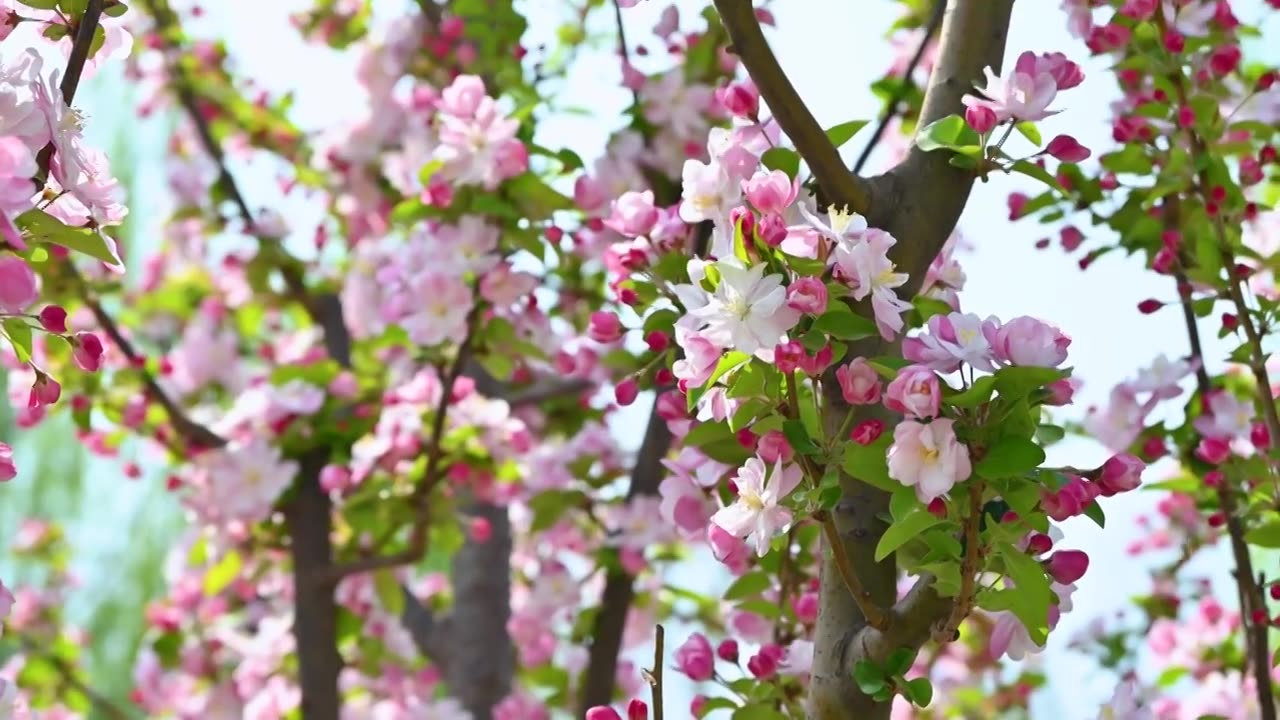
x: 315, y: 623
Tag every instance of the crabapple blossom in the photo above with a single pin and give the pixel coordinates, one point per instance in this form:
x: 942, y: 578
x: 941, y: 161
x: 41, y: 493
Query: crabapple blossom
x: 928, y: 458
x: 758, y: 511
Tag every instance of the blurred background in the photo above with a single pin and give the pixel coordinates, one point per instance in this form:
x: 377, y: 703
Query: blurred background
x: 120, y: 527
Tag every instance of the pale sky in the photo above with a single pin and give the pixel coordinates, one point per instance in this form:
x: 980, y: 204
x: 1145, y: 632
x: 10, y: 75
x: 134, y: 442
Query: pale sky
x: 832, y: 50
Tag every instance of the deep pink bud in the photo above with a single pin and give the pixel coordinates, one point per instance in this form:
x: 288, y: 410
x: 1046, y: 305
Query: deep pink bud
x: 695, y: 658
x: 728, y: 650
x: 1039, y: 544
x: 604, y: 327
x: 772, y: 229
x: 1067, y: 149
x: 1121, y: 473
x: 741, y: 99
x: 626, y: 392
x: 981, y: 118
x: 657, y: 340
x: 1146, y: 307
x: 87, y: 350
x: 1260, y: 436
x: 602, y: 712
x: 1068, y: 566
x: 1214, y: 451
x: 54, y: 319
x: 866, y: 432
x: 637, y: 709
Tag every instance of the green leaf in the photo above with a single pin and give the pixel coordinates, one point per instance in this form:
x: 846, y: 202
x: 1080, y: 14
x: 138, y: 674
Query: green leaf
x: 919, y: 691
x: 535, y: 198
x: 840, y: 134
x: 1093, y: 511
x: 845, y: 325
x: 429, y: 170
x: 899, y: 662
x: 977, y: 394
x: 904, y: 531
x: 40, y: 226
x: 950, y: 133
x: 1031, y: 594
x: 869, y: 676
x: 784, y: 159
x: 1011, y: 456
x: 758, y: 712
x: 115, y: 10
x: 40, y: 4
x: 799, y: 439
x: 218, y: 577
x: 869, y: 464
x: 1018, y: 382
x: 751, y: 584
x: 19, y: 334
x: 1033, y: 170
x: 1266, y: 535
x: 1029, y: 131
x: 389, y: 593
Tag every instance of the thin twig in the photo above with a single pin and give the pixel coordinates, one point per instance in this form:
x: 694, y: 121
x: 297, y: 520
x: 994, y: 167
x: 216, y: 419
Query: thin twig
x: 654, y: 676
x: 841, y: 187
x: 874, y: 616
x: 968, y: 568
x: 891, y: 107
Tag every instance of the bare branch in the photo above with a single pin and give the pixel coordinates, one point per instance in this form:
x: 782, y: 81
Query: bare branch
x: 841, y: 187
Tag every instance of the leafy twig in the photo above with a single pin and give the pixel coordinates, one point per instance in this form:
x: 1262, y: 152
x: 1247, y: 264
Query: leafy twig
x: 654, y: 676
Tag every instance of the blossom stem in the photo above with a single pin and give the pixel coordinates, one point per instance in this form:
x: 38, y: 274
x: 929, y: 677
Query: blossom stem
x: 874, y: 616
x: 654, y: 676
x: 968, y: 568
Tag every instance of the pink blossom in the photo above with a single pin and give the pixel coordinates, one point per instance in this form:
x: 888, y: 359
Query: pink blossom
x: 695, y: 658
x: 773, y: 447
x: 633, y: 214
x: 1226, y: 416
x: 727, y: 548
x: 603, y: 712
x: 1067, y: 149
x: 684, y: 506
x: 807, y: 295
x: 770, y: 192
x: 859, y: 382
x: 1026, y: 341
x: 435, y: 308
x: 1070, y: 500
x: 700, y: 357
x: 981, y: 118
x: 243, y: 480
x: 951, y: 340
x: 928, y: 457
x: 463, y: 97
x: 865, y: 264
x: 86, y: 349
x: 19, y: 285
x: 915, y: 392
x: 758, y: 510
x: 1026, y: 92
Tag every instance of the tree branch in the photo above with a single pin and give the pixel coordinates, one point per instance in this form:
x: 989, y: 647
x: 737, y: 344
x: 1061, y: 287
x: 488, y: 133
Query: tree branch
x: 619, y: 590
x: 841, y: 187
x: 920, y: 200
x: 891, y: 107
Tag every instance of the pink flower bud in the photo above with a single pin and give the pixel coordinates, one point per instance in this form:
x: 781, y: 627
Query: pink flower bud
x: 773, y: 446
x: 1039, y: 544
x: 637, y: 709
x: 626, y: 392
x: 480, y: 529
x: 53, y: 319
x: 604, y: 327
x: 18, y: 284
x: 1260, y: 436
x: 1067, y: 149
x: 981, y: 118
x: 87, y: 350
x: 334, y: 478
x: 764, y: 664
x: 772, y: 229
x: 1121, y: 473
x: 1068, y: 566
x: 633, y: 214
x: 741, y: 99
x: 8, y: 470
x: 1061, y: 392
x: 602, y: 712
x: 44, y: 391
x: 770, y: 192
x: 807, y: 295
x: 866, y: 432
x: 915, y: 392
x: 695, y: 658
x: 1214, y: 451
x: 727, y: 650
x: 859, y: 383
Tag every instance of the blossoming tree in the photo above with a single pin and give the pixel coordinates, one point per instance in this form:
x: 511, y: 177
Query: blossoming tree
x: 391, y: 441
